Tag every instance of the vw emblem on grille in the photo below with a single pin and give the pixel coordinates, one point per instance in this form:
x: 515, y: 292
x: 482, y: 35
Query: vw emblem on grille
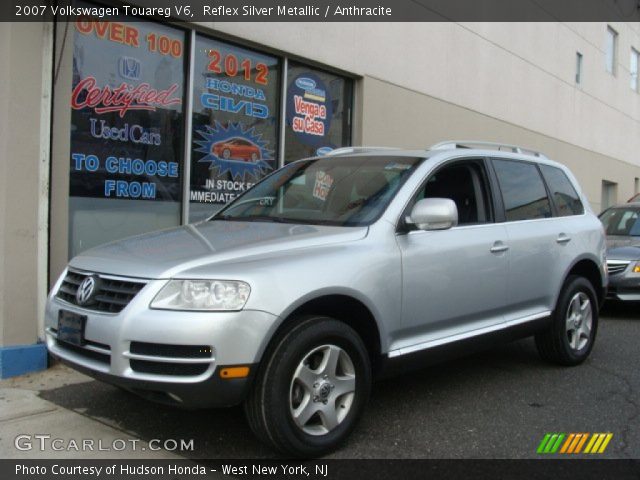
x: 86, y: 290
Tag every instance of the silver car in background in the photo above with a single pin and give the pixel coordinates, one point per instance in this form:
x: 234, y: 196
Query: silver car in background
x: 622, y: 226
x: 332, y: 271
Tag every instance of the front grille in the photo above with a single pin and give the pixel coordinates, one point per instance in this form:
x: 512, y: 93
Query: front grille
x: 617, y: 267
x: 86, y: 353
x: 160, y: 350
x: 166, y: 350
x: 167, y: 368
x: 111, y: 295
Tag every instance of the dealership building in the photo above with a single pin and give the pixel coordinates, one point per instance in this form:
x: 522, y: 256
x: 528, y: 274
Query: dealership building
x: 114, y: 128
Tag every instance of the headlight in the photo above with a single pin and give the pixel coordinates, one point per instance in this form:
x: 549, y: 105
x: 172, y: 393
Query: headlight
x: 636, y: 268
x: 202, y: 295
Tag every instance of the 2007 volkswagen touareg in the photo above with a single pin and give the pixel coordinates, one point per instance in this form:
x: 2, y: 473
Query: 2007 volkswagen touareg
x: 294, y: 296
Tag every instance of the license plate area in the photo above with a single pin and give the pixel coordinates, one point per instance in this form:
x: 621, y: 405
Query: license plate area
x: 71, y: 327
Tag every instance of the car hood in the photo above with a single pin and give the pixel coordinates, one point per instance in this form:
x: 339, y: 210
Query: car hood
x: 614, y: 241
x: 165, y: 253
x: 623, y: 248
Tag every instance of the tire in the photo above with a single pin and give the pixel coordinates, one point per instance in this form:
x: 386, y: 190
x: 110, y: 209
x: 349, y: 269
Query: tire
x: 226, y: 153
x: 572, y: 333
x: 292, y: 381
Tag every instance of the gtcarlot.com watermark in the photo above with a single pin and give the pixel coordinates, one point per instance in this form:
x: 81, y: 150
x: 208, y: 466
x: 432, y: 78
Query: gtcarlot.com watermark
x: 46, y: 443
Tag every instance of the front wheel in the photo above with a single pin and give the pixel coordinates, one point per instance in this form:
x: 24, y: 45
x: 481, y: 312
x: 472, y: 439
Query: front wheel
x: 572, y: 332
x: 312, y: 389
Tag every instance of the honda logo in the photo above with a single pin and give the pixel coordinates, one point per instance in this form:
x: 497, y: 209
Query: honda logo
x: 129, y: 68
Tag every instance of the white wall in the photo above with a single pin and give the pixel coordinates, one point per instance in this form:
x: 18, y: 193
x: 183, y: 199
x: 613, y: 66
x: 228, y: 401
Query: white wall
x: 25, y: 80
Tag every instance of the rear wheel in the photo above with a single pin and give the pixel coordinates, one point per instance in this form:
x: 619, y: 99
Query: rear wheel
x: 572, y: 332
x: 312, y: 389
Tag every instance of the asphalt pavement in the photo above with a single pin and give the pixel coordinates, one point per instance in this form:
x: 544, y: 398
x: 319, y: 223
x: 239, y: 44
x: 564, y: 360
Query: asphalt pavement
x: 495, y: 404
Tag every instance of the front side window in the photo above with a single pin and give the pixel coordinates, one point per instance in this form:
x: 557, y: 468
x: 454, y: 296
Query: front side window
x: 621, y: 221
x: 347, y: 191
x: 523, y: 192
x: 564, y: 195
x: 464, y: 182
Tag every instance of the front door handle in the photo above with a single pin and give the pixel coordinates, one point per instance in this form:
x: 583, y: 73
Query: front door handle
x: 563, y: 238
x: 499, y: 247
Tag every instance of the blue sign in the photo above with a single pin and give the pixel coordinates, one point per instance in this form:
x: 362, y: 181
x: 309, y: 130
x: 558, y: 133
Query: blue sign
x: 309, y: 109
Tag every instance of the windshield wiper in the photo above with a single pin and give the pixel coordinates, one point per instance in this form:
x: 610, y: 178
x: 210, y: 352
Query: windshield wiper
x: 254, y: 218
x: 268, y: 218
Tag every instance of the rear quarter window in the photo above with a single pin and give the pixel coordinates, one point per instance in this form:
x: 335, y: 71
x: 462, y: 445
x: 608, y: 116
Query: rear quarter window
x: 564, y: 195
x: 523, y: 191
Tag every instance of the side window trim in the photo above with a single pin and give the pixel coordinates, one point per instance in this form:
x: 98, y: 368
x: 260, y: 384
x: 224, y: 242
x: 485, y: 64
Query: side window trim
x: 550, y: 196
x: 498, y: 202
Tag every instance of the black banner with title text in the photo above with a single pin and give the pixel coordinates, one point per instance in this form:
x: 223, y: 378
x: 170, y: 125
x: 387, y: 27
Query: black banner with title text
x: 332, y: 10
x: 181, y: 469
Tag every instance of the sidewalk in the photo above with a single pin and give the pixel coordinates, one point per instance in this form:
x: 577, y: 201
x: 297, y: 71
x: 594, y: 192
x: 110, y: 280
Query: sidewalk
x: 23, y: 413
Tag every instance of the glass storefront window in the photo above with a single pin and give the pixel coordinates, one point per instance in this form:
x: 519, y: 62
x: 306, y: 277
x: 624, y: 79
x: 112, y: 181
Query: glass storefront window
x: 126, y: 130
x: 128, y: 109
x: 318, y: 112
x: 234, y: 123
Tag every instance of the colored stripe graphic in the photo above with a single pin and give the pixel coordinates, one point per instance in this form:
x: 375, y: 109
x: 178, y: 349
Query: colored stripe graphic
x: 543, y: 443
x: 551, y: 443
x: 567, y: 442
x: 607, y: 439
x: 581, y: 443
x: 573, y: 443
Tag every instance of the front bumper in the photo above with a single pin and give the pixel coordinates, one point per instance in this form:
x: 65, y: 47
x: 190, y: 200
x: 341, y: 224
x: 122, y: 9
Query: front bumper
x: 165, y: 369
x: 624, y: 287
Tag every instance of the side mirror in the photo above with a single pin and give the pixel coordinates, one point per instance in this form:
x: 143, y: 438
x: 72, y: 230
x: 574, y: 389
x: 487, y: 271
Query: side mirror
x: 434, y: 214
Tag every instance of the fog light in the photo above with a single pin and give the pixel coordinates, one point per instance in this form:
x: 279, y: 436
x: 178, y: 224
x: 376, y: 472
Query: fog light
x: 234, y: 372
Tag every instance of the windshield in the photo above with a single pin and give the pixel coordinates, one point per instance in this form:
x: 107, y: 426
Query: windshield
x: 344, y: 191
x: 621, y: 221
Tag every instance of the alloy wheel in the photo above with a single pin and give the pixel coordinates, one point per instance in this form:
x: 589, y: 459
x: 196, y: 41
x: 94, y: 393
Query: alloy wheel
x: 322, y: 390
x: 579, y: 321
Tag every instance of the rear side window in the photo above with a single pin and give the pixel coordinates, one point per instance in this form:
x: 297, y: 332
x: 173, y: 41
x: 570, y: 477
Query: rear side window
x: 564, y: 195
x: 523, y: 191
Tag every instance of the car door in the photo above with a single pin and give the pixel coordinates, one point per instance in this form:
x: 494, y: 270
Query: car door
x: 534, y: 239
x: 454, y: 281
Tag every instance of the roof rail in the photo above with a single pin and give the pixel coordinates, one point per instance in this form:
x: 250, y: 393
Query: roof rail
x: 453, y: 144
x: 342, y: 150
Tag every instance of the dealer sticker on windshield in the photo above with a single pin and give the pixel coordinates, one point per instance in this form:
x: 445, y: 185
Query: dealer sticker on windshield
x: 322, y: 185
x: 397, y: 166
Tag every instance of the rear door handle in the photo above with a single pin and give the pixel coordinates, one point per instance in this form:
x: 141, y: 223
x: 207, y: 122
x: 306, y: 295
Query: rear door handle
x: 499, y: 247
x: 563, y: 238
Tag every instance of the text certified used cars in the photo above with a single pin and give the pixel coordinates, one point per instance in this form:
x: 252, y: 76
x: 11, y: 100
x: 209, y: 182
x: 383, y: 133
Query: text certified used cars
x: 299, y: 293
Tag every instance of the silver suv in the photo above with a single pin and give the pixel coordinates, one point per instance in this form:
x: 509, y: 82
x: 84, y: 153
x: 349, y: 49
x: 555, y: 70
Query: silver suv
x: 327, y: 274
